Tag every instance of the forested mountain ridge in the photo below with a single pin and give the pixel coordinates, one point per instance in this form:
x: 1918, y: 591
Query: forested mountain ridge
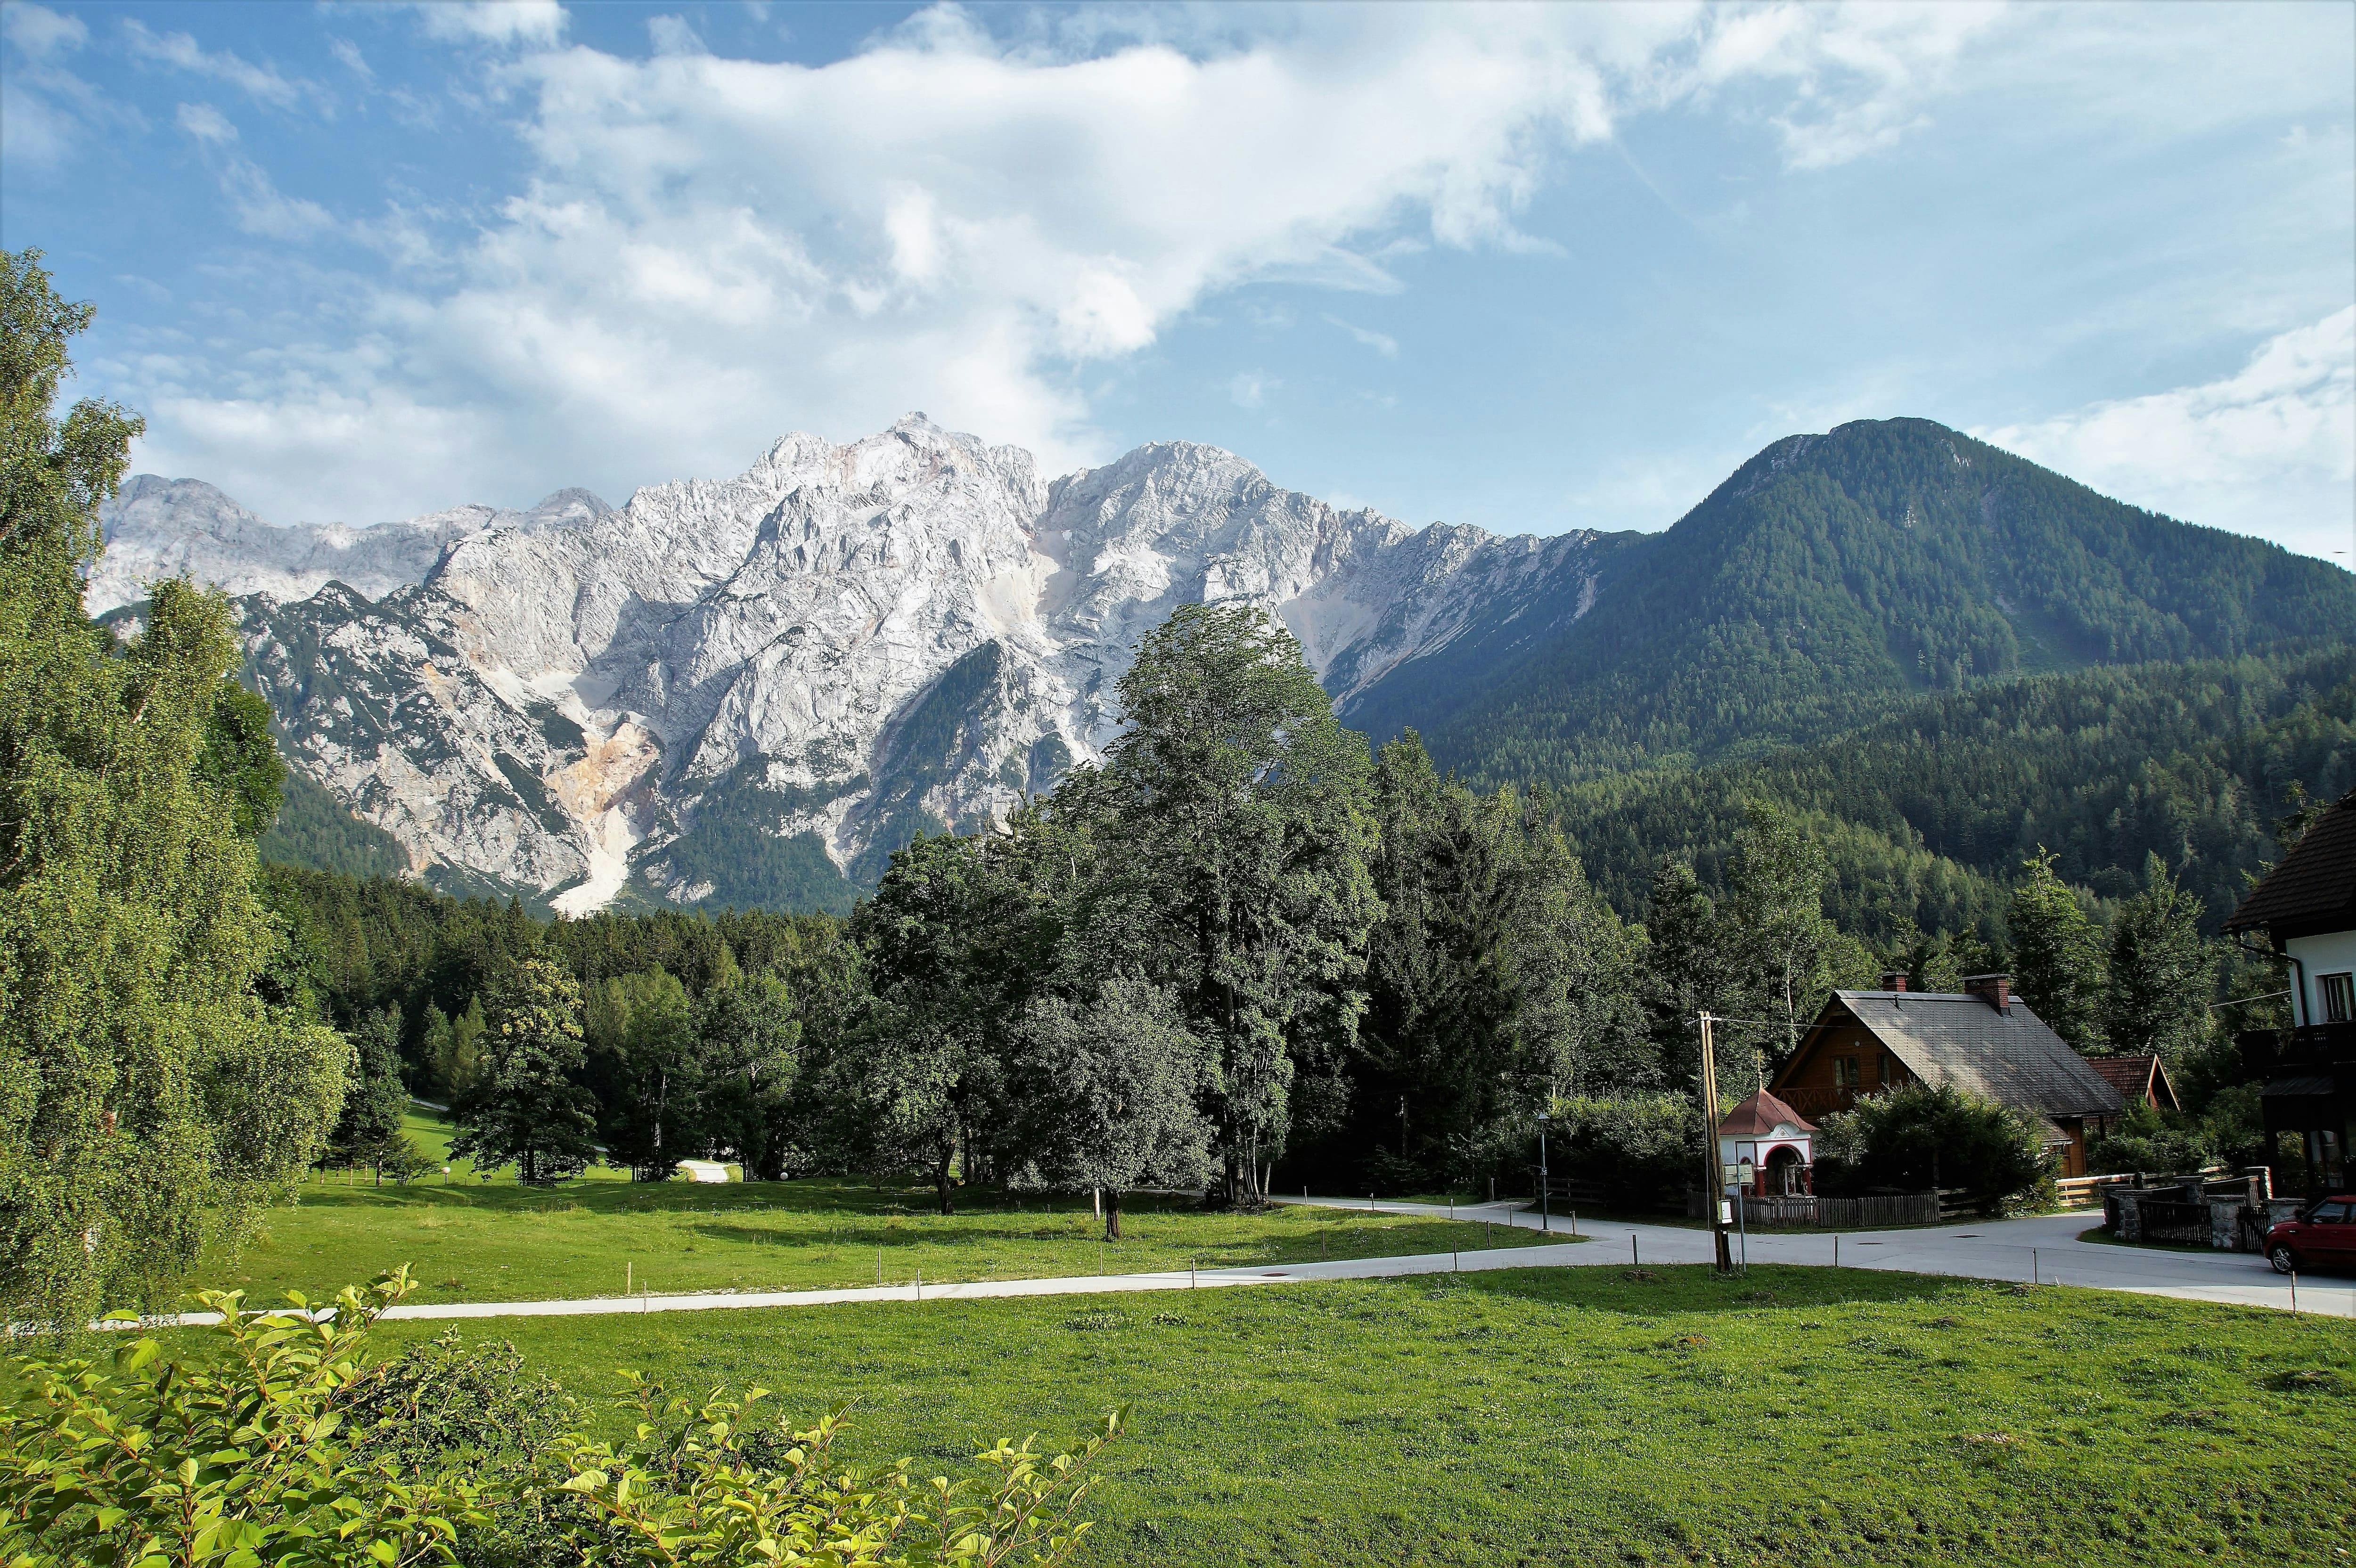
x: 1832, y: 578
x: 1929, y: 815
x: 720, y: 694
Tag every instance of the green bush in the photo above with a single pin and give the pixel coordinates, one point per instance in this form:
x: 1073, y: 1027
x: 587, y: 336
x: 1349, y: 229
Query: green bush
x: 1921, y: 1136
x: 1642, y: 1151
x: 2152, y: 1143
x: 277, y: 1441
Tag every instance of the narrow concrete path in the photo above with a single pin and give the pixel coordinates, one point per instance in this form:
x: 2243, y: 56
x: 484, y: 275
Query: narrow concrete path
x: 2045, y: 1249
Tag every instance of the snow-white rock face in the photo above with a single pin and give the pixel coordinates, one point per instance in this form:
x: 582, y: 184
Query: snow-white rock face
x: 184, y: 528
x: 752, y: 690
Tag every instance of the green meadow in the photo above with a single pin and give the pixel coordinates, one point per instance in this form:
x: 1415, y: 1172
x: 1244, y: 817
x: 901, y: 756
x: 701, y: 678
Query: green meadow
x: 467, y: 1239
x: 1590, y: 1415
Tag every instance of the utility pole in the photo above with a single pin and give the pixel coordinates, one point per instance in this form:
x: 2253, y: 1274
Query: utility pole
x: 1546, y: 1214
x: 1713, y: 1185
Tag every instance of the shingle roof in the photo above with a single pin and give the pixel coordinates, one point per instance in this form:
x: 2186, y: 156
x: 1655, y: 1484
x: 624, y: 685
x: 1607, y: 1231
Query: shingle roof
x: 2011, y: 1057
x: 1762, y: 1112
x: 2315, y: 884
x: 2137, y: 1078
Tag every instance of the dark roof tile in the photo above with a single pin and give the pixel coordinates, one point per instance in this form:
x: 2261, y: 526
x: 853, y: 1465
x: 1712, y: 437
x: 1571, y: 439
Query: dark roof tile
x: 2011, y: 1057
x: 2313, y: 884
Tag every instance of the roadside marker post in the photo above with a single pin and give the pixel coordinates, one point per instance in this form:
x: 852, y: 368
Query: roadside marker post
x: 2033, y: 1278
x: 1631, y: 1246
x: 2294, y: 1293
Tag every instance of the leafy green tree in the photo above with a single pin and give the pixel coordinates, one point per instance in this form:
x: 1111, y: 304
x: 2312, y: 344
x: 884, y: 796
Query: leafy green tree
x: 647, y: 1067
x: 377, y: 1099
x: 1789, y: 956
x: 527, y: 1108
x: 1690, y: 967
x: 454, y: 1047
x: 151, y: 1095
x: 1496, y: 978
x: 1114, y: 1091
x: 2162, y: 972
x: 926, y: 1069
x: 2057, y: 955
x: 751, y: 1046
x: 1235, y: 868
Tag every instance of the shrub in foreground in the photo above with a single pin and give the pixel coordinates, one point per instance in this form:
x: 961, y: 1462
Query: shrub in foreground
x: 276, y: 1440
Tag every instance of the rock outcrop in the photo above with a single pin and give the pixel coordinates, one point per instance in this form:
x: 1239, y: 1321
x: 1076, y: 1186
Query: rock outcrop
x: 752, y: 690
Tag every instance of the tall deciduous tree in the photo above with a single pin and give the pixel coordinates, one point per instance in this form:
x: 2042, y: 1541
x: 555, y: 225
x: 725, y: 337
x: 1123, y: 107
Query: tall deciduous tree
x: 525, y: 1107
x: 1790, y: 954
x: 1112, y: 1089
x: 752, y: 1052
x: 150, y: 1096
x: 2057, y: 955
x: 1236, y: 860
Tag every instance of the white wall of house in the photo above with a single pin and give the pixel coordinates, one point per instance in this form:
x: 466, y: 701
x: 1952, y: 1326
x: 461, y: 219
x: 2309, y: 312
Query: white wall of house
x: 2333, y: 953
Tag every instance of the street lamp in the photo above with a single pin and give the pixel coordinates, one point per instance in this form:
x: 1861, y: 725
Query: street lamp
x: 1546, y: 1214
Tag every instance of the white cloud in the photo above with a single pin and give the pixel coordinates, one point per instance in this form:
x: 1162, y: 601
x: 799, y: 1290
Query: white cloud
x: 255, y: 201
x: 673, y: 35
x: 42, y: 104
x: 40, y: 32
x: 1249, y: 389
x: 181, y: 51
x: 2270, y: 450
x: 709, y: 251
x: 1382, y: 343
x: 348, y: 53
x: 512, y: 22
x: 206, y: 123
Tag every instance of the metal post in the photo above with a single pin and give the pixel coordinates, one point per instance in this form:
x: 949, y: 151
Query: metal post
x: 2033, y: 1279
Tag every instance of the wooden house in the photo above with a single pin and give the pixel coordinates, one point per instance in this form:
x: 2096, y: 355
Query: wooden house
x: 2140, y: 1081
x: 2306, y: 909
x: 1981, y: 1040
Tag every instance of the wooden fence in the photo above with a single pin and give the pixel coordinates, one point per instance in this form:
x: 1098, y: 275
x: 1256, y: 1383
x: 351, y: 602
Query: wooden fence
x: 1872, y: 1213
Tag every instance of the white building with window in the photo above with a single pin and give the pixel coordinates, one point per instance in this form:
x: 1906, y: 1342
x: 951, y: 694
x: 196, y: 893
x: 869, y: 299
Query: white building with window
x: 2306, y: 909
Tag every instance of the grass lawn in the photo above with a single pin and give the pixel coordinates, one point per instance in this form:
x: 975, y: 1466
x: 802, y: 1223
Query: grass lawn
x: 1591, y: 1415
x: 467, y: 1240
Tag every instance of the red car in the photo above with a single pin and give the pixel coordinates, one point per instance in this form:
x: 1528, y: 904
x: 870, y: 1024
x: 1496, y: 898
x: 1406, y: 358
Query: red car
x: 2323, y: 1234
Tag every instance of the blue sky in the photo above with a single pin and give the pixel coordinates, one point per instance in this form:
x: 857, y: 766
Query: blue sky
x: 1530, y: 267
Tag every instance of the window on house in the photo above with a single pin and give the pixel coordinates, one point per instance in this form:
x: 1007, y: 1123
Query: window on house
x: 2339, y: 996
x: 1845, y: 1073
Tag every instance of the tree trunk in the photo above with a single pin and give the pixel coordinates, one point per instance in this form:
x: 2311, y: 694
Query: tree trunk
x: 941, y: 1178
x: 1112, y: 1214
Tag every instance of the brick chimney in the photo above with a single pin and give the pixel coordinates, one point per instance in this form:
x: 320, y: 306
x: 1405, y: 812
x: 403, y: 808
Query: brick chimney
x: 1996, y: 990
x: 1893, y: 979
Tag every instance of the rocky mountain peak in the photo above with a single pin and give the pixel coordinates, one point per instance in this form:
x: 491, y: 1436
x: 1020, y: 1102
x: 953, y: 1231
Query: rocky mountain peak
x: 753, y: 690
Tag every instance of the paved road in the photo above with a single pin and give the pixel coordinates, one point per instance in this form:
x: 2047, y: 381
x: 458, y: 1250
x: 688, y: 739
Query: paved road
x: 2044, y: 1248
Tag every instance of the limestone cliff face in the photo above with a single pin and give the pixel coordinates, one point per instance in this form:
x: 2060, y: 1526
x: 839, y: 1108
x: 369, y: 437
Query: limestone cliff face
x: 752, y: 690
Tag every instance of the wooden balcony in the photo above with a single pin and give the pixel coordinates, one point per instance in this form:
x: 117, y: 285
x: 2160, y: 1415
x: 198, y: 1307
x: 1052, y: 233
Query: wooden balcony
x: 1816, y: 1101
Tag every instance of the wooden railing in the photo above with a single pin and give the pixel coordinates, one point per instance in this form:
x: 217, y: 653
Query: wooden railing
x: 2086, y: 1191
x: 1814, y: 1100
